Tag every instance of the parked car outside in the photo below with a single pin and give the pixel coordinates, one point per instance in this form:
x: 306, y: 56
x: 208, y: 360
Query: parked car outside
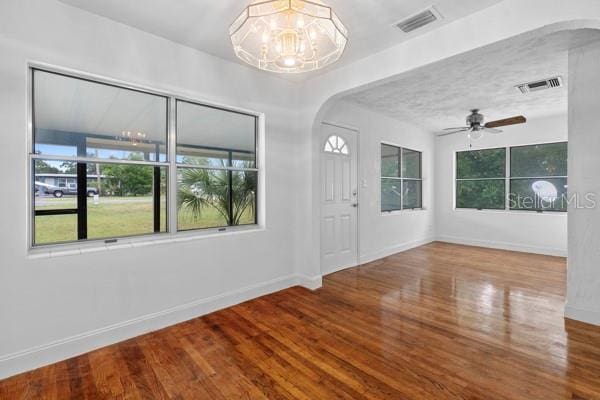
x: 58, y: 192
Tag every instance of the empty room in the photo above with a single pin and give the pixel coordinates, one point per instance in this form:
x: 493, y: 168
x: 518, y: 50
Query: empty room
x: 300, y: 199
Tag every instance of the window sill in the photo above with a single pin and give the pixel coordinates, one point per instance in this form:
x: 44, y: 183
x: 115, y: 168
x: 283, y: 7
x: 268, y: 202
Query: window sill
x: 400, y: 212
x: 505, y: 212
x: 64, y: 250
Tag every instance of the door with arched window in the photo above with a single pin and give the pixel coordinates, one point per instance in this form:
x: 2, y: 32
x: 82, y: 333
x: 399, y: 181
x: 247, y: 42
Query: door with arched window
x: 339, y: 199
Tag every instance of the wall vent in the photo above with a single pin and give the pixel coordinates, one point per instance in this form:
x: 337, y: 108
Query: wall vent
x: 419, y: 20
x: 550, y: 83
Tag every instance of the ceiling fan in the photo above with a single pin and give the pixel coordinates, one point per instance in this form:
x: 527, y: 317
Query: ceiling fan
x: 476, y: 127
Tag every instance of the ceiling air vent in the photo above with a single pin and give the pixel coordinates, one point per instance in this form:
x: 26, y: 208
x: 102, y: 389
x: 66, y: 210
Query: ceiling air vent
x: 420, y: 20
x: 551, y: 83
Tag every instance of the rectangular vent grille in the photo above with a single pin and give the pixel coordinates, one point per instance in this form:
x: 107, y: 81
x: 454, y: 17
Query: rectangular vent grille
x: 418, y: 21
x: 550, y: 83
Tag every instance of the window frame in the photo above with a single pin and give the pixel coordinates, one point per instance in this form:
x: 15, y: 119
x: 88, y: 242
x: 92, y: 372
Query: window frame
x: 457, y: 179
x: 508, y: 179
x: 170, y: 166
x: 516, y: 178
x: 400, y: 178
x: 177, y: 166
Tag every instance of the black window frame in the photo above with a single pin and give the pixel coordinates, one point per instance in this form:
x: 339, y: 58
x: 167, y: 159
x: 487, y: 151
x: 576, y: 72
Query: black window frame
x: 508, y: 179
x: 512, y: 178
x: 400, y: 178
x: 486, y: 179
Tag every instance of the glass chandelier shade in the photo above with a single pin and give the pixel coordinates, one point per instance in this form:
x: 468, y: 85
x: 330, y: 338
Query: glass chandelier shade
x: 288, y: 36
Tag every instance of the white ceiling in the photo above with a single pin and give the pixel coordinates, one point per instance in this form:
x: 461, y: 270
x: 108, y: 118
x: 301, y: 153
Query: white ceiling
x: 440, y: 95
x: 204, y: 24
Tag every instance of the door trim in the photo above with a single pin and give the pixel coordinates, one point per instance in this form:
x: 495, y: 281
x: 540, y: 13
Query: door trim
x: 358, y: 196
x: 337, y: 125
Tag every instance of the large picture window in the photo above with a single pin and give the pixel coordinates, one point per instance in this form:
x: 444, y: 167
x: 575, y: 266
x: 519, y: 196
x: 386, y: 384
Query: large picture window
x: 401, y: 179
x: 99, y: 158
x: 536, y: 179
x: 101, y: 167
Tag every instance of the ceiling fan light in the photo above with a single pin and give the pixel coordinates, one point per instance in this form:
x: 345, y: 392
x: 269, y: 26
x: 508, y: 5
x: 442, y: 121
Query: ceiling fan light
x: 476, y: 134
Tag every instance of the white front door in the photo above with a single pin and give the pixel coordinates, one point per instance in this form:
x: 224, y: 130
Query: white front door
x: 339, y: 199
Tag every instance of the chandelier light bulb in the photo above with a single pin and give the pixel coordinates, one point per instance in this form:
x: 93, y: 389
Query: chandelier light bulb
x: 288, y: 36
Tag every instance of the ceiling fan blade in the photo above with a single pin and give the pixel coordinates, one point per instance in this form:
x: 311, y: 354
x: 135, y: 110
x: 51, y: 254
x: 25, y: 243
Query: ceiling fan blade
x: 456, y: 129
x: 492, y: 130
x: 505, y: 122
x: 454, y: 132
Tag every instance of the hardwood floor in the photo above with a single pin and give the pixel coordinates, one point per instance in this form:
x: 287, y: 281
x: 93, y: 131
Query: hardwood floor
x: 437, y: 322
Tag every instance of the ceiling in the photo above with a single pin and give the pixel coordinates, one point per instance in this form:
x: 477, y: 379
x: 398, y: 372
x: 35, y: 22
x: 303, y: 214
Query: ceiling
x: 204, y: 24
x: 440, y: 95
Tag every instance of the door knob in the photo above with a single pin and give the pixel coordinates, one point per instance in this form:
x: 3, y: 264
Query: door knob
x: 355, y: 205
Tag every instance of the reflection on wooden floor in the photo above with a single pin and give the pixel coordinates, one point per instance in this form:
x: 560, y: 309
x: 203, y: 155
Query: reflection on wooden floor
x: 437, y: 322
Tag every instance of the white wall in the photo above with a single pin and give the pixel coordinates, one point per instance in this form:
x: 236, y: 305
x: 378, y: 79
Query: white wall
x: 52, y: 308
x: 544, y: 233
x: 583, y: 282
x: 385, y: 234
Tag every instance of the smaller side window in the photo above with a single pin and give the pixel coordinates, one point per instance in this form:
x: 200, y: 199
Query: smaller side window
x: 401, y: 179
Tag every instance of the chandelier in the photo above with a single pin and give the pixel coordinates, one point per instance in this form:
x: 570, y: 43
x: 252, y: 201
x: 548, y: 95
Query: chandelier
x: 288, y: 36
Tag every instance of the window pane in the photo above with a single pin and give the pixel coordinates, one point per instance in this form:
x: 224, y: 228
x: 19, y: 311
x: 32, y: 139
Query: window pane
x: 55, y: 185
x: 76, y: 117
x: 412, y: 194
x: 336, y: 144
x: 125, y: 206
x: 244, y: 197
x: 202, y: 157
x: 207, y: 135
x: 538, y: 194
x: 202, y: 198
x: 475, y: 164
x: 483, y: 194
x: 390, y: 161
x: 411, y: 164
x: 50, y: 229
x: 390, y: 194
x: 243, y: 160
x: 539, y: 160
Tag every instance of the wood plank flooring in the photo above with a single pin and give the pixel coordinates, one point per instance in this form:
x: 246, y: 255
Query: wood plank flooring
x: 437, y: 322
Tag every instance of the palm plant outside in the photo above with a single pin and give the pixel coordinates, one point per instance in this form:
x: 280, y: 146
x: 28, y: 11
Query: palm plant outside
x: 201, y: 189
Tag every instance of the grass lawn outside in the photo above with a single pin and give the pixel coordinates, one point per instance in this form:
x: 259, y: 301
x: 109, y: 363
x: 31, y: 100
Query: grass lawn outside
x: 117, y: 217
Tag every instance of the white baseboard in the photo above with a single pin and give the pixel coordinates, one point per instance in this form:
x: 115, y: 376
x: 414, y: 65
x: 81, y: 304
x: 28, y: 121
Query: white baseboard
x: 330, y: 271
x: 312, y: 283
x: 388, y: 251
x: 39, y: 356
x: 587, y: 316
x: 377, y: 255
x: 549, y: 251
